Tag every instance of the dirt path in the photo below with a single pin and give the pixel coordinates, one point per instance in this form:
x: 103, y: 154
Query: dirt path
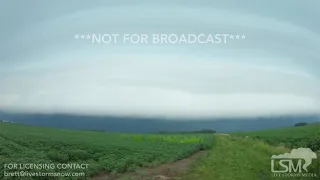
x: 170, y: 171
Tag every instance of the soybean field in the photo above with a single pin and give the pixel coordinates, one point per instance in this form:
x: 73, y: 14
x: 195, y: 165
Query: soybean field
x: 102, y: 151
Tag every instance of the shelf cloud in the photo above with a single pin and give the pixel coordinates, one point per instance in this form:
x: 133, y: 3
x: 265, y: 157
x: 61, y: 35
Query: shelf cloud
x: 268, y: 63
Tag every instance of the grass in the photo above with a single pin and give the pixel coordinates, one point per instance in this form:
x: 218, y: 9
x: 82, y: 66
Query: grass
x: 237, y: 159
x: 293, y: 137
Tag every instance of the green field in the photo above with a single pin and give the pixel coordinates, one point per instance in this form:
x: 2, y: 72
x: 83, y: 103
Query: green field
x: 108, y: 152
x: 228, y: 158
x: 246, y: 156
x: 241, y: 159
x: 293, y: 137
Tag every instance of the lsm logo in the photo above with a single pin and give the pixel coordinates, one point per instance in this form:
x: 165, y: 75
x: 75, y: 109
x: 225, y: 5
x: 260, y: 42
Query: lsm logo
x: 292, y: 165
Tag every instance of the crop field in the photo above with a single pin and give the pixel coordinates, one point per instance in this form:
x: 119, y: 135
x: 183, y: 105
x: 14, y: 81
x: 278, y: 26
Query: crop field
x: 243, y: 159
x: 293, y: 137
x: 107, y: 152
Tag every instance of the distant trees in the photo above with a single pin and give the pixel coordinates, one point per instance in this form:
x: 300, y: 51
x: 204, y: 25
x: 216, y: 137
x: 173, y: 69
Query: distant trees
x: 203, y: 131
x: 301, y: 124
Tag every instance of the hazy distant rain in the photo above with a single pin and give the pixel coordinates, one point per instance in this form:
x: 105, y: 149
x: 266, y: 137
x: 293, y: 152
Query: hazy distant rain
x: 159, y: 38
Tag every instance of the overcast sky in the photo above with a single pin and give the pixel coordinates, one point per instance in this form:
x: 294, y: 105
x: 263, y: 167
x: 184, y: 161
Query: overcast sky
x: 272, y: 69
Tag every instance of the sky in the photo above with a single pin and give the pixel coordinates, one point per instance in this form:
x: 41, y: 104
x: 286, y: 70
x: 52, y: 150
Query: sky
x: 50, y: 62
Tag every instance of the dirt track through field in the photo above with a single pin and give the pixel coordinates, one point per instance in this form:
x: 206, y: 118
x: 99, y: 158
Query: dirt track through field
x: 170, y: 171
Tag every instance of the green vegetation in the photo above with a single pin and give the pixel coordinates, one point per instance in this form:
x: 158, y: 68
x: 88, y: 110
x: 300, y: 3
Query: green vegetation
x: 107, y: 152
x: 292, y: 137
x: 244, y: 156
x: 301, y: 124
x: 240, y: 159
x: 203, y: 131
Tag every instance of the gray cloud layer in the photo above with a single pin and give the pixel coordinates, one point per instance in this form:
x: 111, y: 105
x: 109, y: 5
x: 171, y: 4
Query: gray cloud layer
x: 275, y: 70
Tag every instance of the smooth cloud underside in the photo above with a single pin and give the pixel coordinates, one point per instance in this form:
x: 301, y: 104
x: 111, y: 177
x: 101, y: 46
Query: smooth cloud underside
x: 272, y: 72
